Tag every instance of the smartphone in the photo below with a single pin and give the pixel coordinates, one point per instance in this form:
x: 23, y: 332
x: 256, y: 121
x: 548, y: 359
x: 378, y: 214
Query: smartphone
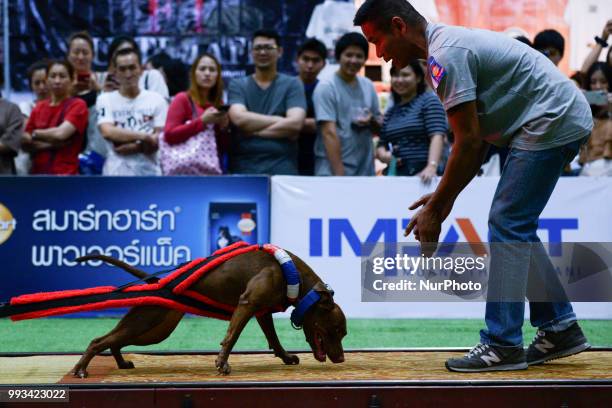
x: 83, y: 77
x: 224, y: 108
x: 599, y: 98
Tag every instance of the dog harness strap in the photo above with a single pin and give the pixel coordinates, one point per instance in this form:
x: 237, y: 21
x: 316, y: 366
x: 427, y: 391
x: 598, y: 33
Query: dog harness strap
x: 171, y: 291
x: 289, y: 270
x: 297, y: 316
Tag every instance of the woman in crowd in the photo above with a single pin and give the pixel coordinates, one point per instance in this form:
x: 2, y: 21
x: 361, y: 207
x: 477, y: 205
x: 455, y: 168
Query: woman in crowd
x: 150, y: 80
x: 81, y: 53
x: 80, y: 56
x: 414, y: 127
x: 596, y: 156
x: 55, y: 129
x: 197, y: 109
x: 37, y: 77
x: 175, y: 73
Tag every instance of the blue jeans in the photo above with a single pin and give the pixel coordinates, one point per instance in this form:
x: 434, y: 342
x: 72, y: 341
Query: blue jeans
x: 527, y: 181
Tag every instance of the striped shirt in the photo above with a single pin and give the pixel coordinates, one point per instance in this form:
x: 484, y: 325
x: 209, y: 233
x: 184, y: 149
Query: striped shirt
x: 410, y: 126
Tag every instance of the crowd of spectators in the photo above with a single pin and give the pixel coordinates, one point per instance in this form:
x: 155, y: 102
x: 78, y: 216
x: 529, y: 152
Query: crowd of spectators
x: 142, y: 119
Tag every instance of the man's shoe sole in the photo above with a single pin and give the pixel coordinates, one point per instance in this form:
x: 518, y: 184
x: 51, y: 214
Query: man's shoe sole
x: 503, y: 367
x: 563, y: 353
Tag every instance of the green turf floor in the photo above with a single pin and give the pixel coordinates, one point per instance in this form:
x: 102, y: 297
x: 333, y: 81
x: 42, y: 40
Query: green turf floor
x: 60, y: 334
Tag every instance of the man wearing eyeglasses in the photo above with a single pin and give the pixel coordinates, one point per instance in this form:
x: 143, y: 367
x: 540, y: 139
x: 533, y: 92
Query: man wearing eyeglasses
x: 268, y: 109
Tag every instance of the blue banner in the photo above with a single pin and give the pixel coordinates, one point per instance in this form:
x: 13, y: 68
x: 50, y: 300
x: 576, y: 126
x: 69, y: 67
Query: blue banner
x: 153, y: 223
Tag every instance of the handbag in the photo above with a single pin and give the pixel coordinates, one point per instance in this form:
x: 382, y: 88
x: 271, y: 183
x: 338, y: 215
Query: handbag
x: 195, y: 156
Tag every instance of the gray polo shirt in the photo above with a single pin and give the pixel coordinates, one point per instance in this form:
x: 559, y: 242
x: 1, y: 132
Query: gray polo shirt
x: 336, y: 101
x: 258, y: 155
x: 521, y: 97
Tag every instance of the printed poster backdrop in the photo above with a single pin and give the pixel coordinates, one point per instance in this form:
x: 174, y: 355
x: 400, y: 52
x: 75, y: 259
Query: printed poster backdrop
x: 181, y: 28
x: 151, y: 223
x: 325, y: 220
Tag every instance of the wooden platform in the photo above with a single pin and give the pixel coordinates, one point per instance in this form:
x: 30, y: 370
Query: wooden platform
x: 391, y: 375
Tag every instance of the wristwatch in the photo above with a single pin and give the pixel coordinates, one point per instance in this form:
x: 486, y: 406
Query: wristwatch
x: 433, y: 163
x: 601, y: 41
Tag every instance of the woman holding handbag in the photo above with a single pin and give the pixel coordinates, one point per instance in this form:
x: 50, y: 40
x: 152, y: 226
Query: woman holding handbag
x: 195, y: 133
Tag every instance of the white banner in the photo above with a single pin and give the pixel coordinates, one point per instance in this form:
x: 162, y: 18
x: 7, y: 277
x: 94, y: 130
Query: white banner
x: 325, y: 219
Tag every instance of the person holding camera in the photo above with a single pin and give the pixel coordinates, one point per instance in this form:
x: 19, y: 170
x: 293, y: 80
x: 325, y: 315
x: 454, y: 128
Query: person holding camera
x: 596, y: 155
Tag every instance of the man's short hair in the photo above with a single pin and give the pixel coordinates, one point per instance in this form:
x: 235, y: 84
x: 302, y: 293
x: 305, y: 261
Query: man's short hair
x: 314, y: 45
x: 380, y: 12
x: 549, y: 38
x: 524, y: 40
x: 117, y: 41
x: 267, y: 34
x: 349, y: 39
x: 124, y: 52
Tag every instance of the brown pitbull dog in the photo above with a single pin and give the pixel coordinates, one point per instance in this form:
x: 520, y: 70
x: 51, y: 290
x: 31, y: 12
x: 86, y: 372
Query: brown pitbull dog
x: 252, y: 281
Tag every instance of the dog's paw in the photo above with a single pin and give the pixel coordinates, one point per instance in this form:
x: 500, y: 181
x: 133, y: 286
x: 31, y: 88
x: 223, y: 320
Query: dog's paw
x: 290, y: 359
x: 80, y: 373
x: 126, y: 365
x: 223, y: 367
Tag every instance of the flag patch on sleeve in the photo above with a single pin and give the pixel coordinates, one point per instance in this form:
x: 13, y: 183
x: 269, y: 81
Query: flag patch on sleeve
x: 436, y: 71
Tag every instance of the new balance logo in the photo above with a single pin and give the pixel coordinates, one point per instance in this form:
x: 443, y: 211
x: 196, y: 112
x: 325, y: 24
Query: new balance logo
x: 490, y: 358
x: 544, y: 345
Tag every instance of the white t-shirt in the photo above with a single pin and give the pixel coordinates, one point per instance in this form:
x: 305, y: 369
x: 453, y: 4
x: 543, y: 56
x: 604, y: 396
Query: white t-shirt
x: 586, y: 19
x: 330, y: 20
x: 153, y: 80
x: 142, y: 114
x: 26, y: 108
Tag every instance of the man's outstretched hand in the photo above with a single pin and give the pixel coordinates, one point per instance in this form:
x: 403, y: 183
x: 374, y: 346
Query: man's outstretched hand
x: 426, y: 224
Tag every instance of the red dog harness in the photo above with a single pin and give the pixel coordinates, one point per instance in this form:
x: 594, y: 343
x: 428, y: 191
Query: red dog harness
x: 172, y: 291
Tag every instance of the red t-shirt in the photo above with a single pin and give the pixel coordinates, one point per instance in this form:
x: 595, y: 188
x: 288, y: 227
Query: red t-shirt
x: 64, y: 160
x: 181, y: 124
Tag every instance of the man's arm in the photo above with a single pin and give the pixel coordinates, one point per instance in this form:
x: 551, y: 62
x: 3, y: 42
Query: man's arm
x: 251, y: 122
x: 466, y: 156
x: 119, y: 135
x: 287, y: 127
x: 310, y: 126
x: 333, y: 147
x: 10, y: 140
x: 463, y: 164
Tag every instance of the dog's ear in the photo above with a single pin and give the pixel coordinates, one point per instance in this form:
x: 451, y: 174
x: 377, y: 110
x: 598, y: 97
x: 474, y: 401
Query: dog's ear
x: 327, y: 296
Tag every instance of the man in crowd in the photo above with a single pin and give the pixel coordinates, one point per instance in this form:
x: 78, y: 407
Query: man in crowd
x: 130, y: 119
x: 495, y: 90
x: 310, y: 61
x: 11, y: 130
x: 268, y: 110
x: 550, y: 43
x: 347, y: 114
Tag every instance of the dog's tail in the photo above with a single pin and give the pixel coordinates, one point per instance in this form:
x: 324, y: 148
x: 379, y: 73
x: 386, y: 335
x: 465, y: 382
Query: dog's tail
x: 123, y: 265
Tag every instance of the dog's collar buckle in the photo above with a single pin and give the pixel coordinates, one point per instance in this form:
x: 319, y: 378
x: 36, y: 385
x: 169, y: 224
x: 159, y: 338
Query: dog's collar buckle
x: 297, y: 316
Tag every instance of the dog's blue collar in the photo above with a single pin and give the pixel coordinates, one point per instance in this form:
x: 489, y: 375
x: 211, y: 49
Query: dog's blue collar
x: 297, y: 316
x: 312, y: 297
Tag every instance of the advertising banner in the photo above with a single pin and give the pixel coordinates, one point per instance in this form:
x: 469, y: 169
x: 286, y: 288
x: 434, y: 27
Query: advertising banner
x: 152, y: 223
x: 327, y: 221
